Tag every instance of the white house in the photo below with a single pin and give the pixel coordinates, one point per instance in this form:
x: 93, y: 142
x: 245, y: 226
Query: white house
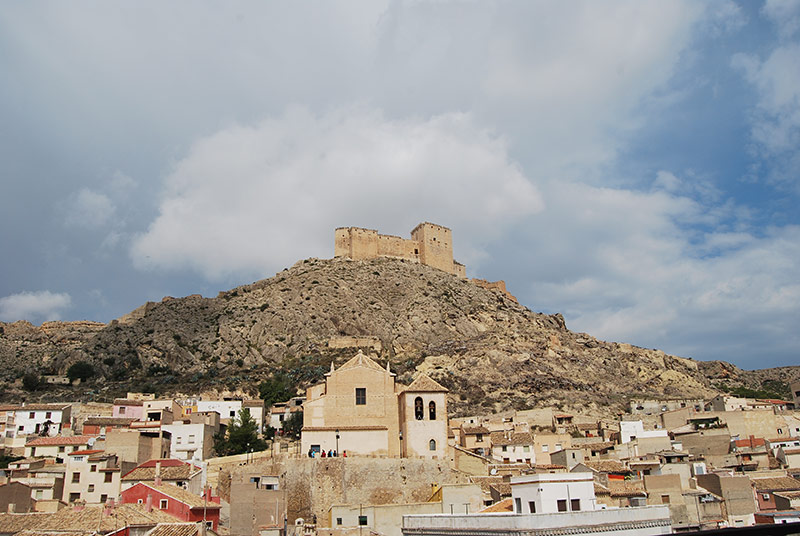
x: 190, y: 441
x: 44, y: 419
x: 630, y: 430
x: 546, y: 493
x: 227, y: 409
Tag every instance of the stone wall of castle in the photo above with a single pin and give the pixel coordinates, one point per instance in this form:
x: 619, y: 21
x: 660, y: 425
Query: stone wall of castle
x: 494, y: 285
x: 430, y: 244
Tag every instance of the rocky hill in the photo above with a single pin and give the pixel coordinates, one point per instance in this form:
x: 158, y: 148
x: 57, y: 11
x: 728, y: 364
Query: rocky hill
x: 491, y: 352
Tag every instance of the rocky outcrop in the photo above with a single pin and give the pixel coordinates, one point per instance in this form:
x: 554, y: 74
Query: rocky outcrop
x: 491, y: 352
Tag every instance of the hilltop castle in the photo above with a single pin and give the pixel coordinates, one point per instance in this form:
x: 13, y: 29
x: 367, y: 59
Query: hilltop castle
x: 430, y: 244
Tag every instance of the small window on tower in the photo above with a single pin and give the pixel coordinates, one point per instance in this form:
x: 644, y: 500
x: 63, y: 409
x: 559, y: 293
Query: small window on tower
x: 361, y: 396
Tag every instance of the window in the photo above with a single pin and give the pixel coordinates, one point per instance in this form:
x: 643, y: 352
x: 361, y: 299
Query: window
x: 191, y: 438
x: 432, y: 410
x: 32, y: 414
x: 526, y: 448
x: 162, y: 504
x: 103, y: 498
x: 39, y: 494
x: 90, y: 489
x: 432, y: 444
x: 48, y: 414
x: 479, y: 438
x: 93, y: 468
x: 665, y: 499
x: 562, y: 505
x: 780, y: 430
x: 545, y: 448
x: 504, y: 448
x: 361, y: 399
x: 531, y: 507
x: 362, y: 521
x: 418, y: 411
x: 338, y: 520
x: 233, y: 413
x: 122, y: 410
x: 517, y: 505
x: 210, y: 525
x: 109, y: 477
x: 76, y: 477
x: 139, y: 501
x: 575, y: 505
x: 75, y: 496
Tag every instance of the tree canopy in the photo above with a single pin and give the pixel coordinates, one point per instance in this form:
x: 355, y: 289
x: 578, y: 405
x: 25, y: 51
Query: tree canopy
x: 241, y: 436
x: 279, y: 388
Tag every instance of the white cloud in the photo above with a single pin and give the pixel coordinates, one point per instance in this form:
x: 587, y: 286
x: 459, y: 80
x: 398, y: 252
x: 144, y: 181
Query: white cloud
x: 257, y: 198
x: 89, y: 209
x: 39, y: 305
x: 625, y: 266
x: 775, y: 119
x: 785, y: 14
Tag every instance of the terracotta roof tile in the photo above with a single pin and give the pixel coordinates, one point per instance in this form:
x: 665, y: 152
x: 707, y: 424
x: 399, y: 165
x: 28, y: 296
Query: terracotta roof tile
x: 607, y: 466
x: 89, y: 518
x: 60, y: 440
x: 126, y: 402
x: 84, y: 452
x: 180, y: 494
x: 471, y: 430
x: 174, y: 529
x: 516, y: 438
x: 424, y: 384
x: 626, y: 488
x: 783, y: 483
x: 107, y: 421
x: 506, y: 505
x: 503, y: 488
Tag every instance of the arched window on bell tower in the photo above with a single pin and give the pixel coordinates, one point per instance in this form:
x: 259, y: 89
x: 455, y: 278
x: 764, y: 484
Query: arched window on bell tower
x: 432, y: 410
x: 419, y: 410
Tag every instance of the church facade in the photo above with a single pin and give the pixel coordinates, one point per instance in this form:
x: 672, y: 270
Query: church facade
x: 360, y: 409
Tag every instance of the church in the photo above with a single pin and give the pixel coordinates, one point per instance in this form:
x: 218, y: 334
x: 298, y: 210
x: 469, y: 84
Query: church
x: 360, y: 410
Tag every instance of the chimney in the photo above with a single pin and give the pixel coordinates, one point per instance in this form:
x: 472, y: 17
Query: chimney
x: 158, y: 473
x: 109, y: 509
x: 149, y: 504
x: 79, y: 506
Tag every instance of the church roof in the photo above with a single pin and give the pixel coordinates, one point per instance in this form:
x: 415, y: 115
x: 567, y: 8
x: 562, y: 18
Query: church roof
x: 423, y: 384
x: 361, y: 360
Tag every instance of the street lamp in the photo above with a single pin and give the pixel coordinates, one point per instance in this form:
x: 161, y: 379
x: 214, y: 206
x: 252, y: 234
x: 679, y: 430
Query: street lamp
x: 337, y: 441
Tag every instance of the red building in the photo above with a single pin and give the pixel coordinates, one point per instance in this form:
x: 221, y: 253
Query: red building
x: 175, y: 501
x: 765, y: 489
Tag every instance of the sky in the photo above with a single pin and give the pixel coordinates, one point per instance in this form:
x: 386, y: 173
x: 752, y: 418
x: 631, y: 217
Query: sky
x: 633, y: 165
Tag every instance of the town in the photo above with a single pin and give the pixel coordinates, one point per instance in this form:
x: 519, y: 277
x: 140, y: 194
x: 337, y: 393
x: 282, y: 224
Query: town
x: 379, y: 456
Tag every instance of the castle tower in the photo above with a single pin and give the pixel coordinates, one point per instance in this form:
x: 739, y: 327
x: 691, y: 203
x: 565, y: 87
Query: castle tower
x: 435, y: 246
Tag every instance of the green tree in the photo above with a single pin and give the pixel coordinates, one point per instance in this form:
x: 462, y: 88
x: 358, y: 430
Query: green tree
x: 31, y: 382
x: 240, y: 437
x: 81, y: 370
x: 279, y: 388
x: 293, y: 425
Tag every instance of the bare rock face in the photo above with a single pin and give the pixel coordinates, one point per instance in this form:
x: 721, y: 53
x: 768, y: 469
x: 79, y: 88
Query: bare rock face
x: 490, y: 351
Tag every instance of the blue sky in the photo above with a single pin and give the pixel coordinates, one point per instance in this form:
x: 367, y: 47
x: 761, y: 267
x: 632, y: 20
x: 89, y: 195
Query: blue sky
x: 632, y: 165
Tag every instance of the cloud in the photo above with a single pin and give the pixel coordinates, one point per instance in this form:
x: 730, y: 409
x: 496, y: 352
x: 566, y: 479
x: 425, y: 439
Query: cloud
x: 785, y: 14
x: 89, y: 209
x: 775, y: 119
x: 250, y: 199
x: 39, y: 305
x: 636, y: 266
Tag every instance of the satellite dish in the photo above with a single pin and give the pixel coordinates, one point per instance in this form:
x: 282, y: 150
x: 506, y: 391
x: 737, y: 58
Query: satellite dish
x: 493, y: 471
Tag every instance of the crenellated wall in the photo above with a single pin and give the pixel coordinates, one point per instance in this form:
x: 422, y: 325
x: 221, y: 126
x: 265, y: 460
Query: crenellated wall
x: 430, y: 244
